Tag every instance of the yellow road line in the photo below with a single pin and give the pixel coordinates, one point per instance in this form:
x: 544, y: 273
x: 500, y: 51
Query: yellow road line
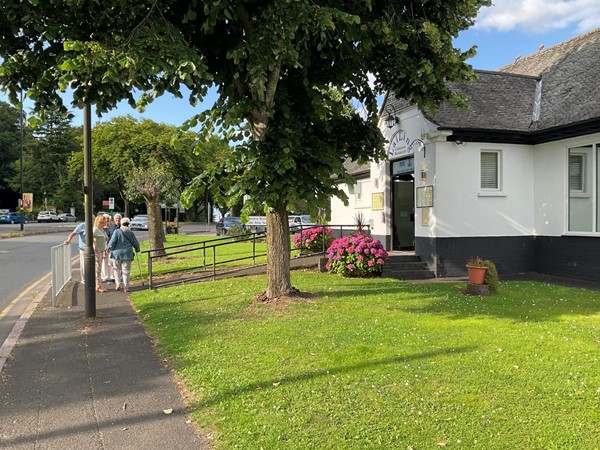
x: 23, y: 294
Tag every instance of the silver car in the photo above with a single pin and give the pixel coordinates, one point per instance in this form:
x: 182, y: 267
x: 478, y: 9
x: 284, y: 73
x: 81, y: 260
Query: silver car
x: 139, y: 222
x: 66, y: 217
x: 47, y: 216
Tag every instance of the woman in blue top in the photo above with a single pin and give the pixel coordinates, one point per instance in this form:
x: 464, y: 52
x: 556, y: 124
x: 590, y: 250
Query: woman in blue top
x: 122, y: 243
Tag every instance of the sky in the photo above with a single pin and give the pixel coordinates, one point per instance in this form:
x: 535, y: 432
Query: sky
x: 502, y: 32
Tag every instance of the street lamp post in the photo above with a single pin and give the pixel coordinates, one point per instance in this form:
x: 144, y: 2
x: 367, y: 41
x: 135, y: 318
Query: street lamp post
x: 89, y: 257
x: 22, y: 189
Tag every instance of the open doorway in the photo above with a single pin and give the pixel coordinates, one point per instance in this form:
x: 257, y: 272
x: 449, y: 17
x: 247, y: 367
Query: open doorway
x: 403, y: 212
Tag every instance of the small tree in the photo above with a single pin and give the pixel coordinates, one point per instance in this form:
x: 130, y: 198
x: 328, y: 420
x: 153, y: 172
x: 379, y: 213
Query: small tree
x: 155, y: 184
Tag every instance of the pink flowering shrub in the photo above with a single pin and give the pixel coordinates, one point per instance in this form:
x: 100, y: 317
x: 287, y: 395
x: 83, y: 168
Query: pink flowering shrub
x: 356, y: 256
x: 312, y: 239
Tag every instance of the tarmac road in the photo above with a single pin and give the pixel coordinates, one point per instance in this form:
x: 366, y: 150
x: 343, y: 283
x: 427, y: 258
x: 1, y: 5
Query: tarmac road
x: 25, y: 266
x: 24, y: 269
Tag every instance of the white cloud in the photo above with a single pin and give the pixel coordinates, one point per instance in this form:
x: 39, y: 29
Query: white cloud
x: 540, y: 16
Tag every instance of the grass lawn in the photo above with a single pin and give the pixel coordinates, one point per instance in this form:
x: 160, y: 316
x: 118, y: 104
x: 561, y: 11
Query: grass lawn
x: 383, y: 364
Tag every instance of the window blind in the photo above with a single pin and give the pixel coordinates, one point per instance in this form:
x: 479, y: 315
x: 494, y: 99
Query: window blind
x: 489, y: 170
x: 576, y: 172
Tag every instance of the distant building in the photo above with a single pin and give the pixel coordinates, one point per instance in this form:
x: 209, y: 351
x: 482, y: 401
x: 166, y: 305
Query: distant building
x: 514, y: 179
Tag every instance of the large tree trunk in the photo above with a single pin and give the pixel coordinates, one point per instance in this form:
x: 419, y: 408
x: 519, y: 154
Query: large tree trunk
x: 156, y: 234
x: 278, y: 251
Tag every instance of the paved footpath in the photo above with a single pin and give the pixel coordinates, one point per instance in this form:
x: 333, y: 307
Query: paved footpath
x: 74, y: 383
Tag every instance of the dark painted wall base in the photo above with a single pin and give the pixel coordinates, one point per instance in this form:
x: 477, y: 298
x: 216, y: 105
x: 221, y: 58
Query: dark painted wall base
x: 564, y: 256
x: 447, y: 257
x: 568, y: 256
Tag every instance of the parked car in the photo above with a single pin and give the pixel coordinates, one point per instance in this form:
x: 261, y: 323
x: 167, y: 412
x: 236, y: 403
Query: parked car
x: 11, y: 217
x: 47, y: 216
x: 224, y: 225
x: 298, y: 223
x: 66, y: 217
x: 139, y: 222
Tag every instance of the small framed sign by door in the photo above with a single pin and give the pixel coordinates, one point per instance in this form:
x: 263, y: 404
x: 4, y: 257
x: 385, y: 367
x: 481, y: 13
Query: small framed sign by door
x: 425, y: 197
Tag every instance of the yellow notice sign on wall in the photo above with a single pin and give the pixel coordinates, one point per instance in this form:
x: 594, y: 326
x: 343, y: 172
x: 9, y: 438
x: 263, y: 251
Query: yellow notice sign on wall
x: 377, y: 201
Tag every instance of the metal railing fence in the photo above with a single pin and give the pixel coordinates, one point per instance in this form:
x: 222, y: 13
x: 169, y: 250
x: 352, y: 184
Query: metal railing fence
x: 60, y: 264
x: 208, y: 258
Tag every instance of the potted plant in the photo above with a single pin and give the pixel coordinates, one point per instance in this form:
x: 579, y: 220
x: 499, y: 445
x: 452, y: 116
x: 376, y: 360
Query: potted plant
x: 476, y: 270
x: 483, y: 272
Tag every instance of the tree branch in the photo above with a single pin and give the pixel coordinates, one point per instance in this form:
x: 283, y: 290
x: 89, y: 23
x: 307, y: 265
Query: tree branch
x: 271, y: 87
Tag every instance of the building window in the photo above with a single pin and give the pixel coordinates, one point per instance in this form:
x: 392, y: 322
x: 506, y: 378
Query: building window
x: 490, y: 170
x: 362, y: 194
x: 580, y: 178
x: 576, y: 172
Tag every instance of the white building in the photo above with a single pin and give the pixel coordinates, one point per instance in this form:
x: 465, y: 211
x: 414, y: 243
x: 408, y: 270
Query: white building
x: 513, y: 179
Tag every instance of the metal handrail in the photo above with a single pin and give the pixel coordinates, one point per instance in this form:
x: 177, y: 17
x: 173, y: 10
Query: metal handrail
x: 213, y: 244
x: 60, y: 264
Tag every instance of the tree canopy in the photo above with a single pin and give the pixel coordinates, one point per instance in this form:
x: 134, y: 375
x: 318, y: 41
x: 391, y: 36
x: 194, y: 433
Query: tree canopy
x: 285, y: 71
x: 138, y: 158
x: 9, y: 144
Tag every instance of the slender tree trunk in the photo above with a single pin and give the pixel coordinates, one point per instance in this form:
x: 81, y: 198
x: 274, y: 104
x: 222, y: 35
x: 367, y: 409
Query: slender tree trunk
x: 156, y: 233
x: 278, y: 251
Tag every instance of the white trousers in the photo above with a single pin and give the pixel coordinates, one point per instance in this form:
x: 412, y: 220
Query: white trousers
x: 107, y: 272
x: 122, y: 272
x: 82, y: 264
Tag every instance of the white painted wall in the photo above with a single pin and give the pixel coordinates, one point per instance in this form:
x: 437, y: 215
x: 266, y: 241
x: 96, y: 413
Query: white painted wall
x: 532, y: 201
x: 462, y: 208
x: 551, y: 198
x: 340, y: 213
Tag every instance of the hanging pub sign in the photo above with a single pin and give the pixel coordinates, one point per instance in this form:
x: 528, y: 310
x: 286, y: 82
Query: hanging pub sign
x: 399, y: 145
x: 402, y: 145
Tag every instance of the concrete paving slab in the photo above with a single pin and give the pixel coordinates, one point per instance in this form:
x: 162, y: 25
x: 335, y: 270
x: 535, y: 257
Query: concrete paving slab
x: 72, y: 382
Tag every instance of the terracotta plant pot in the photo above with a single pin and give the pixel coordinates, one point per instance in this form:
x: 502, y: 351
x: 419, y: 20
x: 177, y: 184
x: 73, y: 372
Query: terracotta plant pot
x: 476, y: 274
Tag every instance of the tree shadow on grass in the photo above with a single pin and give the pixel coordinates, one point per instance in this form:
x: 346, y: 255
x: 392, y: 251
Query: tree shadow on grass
x: 371, y: 286
x: 272, y: 383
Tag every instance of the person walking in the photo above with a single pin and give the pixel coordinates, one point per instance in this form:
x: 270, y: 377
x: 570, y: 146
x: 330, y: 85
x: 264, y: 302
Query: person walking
x: 80, y: 231
x: 100, y: 249
x: 122, y: 244
x: 107, y: 272
x: 112, y: 227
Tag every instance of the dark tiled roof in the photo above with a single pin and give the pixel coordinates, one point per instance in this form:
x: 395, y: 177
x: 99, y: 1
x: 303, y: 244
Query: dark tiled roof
x: 355, y: 169
x: 503, y: 101
x: 570, y: 93
x: 497, y: 101
x: 549, y: 58
x: 569, y: 74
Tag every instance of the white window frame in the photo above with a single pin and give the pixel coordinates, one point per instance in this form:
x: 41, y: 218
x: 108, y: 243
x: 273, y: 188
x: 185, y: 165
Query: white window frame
x: 361, y: 190
x: 583, y: 191
x: 589, y: 180
x: 488, y: 190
